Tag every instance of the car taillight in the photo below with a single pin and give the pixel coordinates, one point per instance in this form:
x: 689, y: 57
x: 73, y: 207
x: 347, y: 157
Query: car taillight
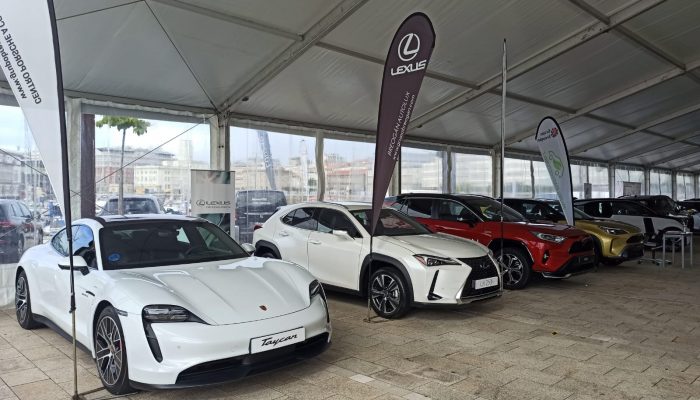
x: 257, y: 226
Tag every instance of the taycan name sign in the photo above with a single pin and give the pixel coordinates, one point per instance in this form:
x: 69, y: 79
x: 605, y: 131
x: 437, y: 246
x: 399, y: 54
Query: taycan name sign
x: 404, y: 70
x: 212, y: 192
x: 552, y: 146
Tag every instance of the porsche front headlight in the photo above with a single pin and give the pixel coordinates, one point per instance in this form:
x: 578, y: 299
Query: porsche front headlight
x: 613, y: 231
x: 168, y: 313
x: 315, y: 289
x: 549, y: 237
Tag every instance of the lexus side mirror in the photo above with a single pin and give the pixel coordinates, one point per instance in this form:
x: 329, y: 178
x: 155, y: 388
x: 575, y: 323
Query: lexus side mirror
x: 79, y: 264
x: 249, y: 248
x: 341, y: 233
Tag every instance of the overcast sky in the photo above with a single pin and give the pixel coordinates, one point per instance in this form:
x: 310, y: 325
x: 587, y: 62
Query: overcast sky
x: 14, y: 135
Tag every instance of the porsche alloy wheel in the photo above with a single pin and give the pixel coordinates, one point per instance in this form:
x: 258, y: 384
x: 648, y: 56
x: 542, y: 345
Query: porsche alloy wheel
x: 388, y: 294
x: 23, y: 306
x: 110, y: 353
x: 516, y: 268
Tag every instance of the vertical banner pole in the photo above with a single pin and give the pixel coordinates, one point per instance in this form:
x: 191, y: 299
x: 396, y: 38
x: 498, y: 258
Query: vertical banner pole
x: 66, y: 186
x: 504, y: 67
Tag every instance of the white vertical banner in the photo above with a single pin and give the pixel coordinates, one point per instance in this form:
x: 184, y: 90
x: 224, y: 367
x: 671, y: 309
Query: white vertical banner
x: 28, y: 61
x: 550, y: 140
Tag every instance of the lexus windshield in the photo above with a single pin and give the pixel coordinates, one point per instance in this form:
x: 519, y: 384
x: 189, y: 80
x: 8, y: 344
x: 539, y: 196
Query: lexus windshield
x: 490, y: 210
x: 140, y: 244
x: 391, y: 223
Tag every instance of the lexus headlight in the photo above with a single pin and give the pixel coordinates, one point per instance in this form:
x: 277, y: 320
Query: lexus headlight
x: 434, y: 261
x: 166, y: 313
x: 315, y: 289
x: 613, y: 231
x: 549, y: 237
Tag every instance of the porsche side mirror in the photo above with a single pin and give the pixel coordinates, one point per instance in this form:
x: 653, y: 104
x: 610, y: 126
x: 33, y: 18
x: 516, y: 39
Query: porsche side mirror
x: 341, y: 233
x: 249, y: 248
x: 79, y: 264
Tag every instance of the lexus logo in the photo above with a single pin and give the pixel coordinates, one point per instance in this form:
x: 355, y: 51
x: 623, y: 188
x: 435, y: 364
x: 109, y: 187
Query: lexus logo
x: 409, y: 47
x: 263, y: 307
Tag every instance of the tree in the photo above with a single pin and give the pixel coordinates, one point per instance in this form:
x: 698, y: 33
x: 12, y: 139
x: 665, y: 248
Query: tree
x: 139, y: 127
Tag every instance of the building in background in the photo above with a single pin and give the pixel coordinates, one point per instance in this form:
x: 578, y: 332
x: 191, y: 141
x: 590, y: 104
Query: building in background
x: 348, y: 180
x: 107, y: 163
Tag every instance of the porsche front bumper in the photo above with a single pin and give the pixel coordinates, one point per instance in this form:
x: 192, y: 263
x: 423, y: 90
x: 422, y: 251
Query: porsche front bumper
x: 196, y: 354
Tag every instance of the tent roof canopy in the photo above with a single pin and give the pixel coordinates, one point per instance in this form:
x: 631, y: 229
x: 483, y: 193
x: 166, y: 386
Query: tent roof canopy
x: 620, y: 75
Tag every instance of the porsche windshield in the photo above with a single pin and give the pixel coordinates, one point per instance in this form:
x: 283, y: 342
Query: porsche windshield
x: 391, y: 223
x: 140, y: 244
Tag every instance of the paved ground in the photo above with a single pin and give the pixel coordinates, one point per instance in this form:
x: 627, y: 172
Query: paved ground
x: 628, y: 332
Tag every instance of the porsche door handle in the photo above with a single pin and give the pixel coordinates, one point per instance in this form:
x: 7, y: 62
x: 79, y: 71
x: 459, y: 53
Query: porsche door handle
x: 284, y: 233
x: 314, y: 242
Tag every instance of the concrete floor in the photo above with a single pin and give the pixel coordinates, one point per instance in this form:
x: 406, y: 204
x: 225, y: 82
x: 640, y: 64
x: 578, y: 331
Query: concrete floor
x: 627, y: 332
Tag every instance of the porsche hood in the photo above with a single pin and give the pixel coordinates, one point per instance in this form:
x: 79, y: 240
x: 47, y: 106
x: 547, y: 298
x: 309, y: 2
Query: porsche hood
x: 220, y: 293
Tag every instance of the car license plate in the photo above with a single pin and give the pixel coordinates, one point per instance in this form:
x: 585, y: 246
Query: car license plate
x: 277, y: 340
x: 484, y: 283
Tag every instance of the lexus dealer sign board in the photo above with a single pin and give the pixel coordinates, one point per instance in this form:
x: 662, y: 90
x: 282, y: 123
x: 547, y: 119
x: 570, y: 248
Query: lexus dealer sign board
x: 213, y: 192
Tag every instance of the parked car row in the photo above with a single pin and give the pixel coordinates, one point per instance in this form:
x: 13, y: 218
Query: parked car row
x: 167, y: 301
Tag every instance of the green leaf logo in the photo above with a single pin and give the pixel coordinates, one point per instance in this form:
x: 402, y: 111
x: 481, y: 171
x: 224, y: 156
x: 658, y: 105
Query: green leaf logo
x: 555, y: 164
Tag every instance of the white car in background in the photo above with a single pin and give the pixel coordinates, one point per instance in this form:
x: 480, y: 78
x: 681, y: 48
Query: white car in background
x: 170, y: 302
x: 653, y: 225
x: 410, y: 265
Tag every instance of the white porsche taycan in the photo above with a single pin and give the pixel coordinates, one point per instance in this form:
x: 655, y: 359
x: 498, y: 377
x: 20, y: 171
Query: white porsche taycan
x: 167, y: 301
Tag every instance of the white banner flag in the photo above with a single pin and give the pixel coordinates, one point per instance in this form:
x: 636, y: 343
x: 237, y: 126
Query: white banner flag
x: 28, y: 62
x: 552, y: 146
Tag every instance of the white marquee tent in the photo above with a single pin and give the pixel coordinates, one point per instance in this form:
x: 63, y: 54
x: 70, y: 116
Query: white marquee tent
x: 619, y: 74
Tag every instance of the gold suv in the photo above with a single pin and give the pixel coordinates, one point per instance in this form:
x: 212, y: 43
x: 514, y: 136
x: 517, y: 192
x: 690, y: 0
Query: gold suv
x: 615, y: 242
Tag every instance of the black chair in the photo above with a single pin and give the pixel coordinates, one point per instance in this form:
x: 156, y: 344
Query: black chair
x: 652, y: 242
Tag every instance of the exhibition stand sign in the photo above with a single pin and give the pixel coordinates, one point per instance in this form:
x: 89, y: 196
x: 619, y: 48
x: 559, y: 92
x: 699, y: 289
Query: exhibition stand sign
x: 404, y: 70
x: 550, y: 140
x: 213, y: 192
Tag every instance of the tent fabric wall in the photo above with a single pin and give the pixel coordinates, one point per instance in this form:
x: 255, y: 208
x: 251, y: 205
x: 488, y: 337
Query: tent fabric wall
x: 194, y: 54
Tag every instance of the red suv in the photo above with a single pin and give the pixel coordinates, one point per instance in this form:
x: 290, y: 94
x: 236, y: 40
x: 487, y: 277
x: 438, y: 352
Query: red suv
x: 555, y: 251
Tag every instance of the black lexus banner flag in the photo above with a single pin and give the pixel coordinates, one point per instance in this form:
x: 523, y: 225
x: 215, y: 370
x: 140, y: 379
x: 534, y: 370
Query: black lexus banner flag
x: 404, y: 69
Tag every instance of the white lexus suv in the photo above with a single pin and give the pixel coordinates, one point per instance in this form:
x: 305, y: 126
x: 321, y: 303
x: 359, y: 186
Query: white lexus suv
x: 409, y: 264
